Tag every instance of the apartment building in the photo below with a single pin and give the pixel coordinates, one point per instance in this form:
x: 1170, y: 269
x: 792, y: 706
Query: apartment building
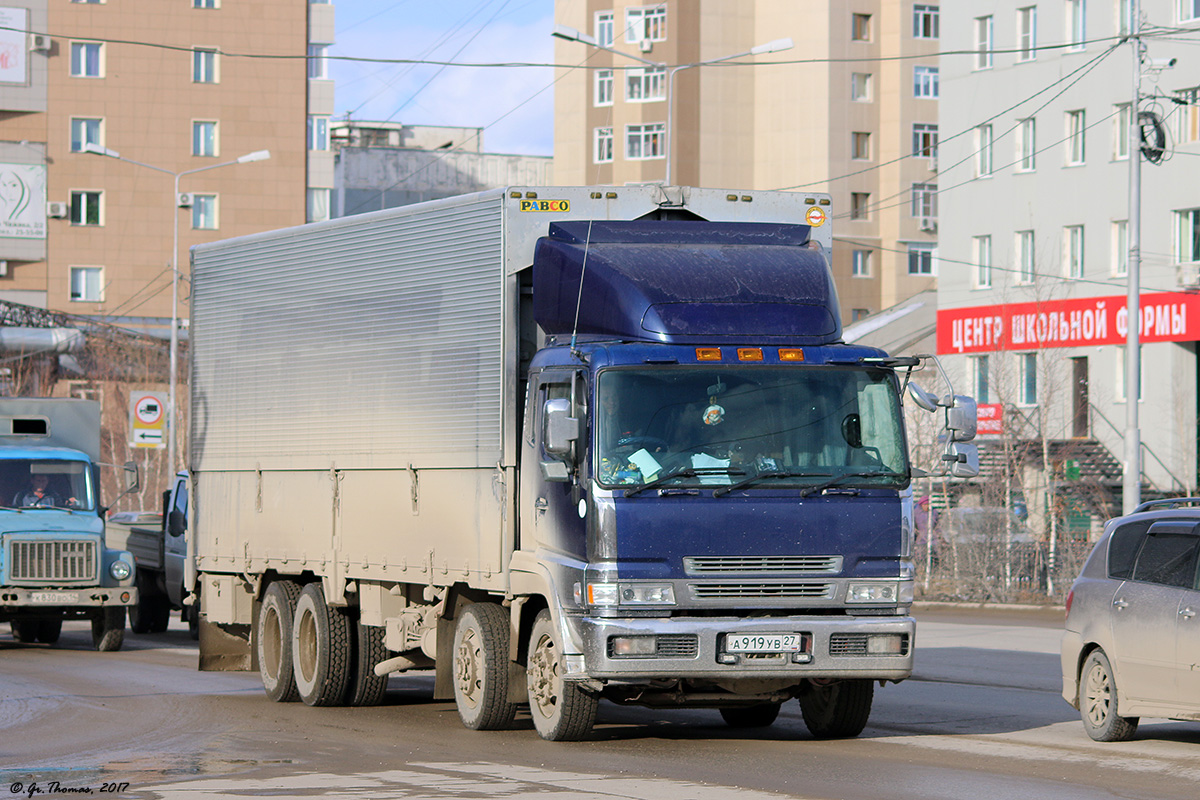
x: 851, y: 109
x: 1035, y: 223
x: 89, y: 87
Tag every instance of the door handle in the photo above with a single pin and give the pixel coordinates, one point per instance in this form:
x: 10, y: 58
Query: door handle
x: 1120, y: 603
x: 541, y: 504
x: 1187, y: 612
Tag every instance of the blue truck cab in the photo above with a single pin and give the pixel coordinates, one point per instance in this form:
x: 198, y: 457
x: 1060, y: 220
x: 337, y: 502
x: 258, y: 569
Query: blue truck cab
x: 53, y: 561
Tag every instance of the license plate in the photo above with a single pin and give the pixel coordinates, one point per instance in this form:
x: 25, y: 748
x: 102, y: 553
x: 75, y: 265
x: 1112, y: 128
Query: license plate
x: 56, y: 598
x: 764, y: 643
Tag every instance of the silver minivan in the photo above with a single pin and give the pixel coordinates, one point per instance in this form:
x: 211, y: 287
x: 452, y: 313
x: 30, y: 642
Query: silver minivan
x: 1131, y: 648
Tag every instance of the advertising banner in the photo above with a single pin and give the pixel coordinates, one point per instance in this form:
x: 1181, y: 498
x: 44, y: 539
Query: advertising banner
x: 13, y: 52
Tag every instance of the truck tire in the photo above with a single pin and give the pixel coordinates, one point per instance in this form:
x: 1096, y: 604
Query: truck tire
x: 161, y: 616
x: 759, y: 716
x: 108, y: 630
x: 273, y: 640
x: 48, y: 630
x: 24, y: 630
x: 367, y: 688
x: 481, y: 668
x: 140, y: 613
x: 837, y: 710
x: 562, y: 711
x: 191, y: 614
x: 320, y: 649
x: 1099, y: 702
x: 151, y: 614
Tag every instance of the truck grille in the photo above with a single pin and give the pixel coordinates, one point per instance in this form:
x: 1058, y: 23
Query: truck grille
x: 855, y: 644
x: 711, y: 591
x: 794, y: 565
x: 52, y: 561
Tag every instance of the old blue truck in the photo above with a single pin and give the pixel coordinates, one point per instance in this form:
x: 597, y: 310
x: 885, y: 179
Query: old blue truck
x: 561, y: 444
x: 54, y: 564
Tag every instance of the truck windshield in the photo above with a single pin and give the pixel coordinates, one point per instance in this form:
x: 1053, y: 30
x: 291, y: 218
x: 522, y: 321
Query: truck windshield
x: 742, y: 427
x: 44, y: 483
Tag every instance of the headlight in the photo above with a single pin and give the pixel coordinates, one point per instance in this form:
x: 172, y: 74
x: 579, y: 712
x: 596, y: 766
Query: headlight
x: 633, y: 594
x: 120, y: 570
x: 872, y: 593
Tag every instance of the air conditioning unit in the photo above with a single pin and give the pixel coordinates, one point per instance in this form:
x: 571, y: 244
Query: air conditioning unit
x: 57, y: 210
x: 929, y: 224
x: 645, y: 45
x: 185, y: 200
x: 40, y: 43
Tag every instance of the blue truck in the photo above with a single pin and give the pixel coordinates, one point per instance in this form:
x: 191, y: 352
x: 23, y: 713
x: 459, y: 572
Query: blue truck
x: 561, y: 445
x: 54, y: 564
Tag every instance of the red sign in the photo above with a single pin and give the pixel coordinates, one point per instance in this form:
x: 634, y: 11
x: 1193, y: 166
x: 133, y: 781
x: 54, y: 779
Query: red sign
x: 991, y: 419
x: 1079, y: 322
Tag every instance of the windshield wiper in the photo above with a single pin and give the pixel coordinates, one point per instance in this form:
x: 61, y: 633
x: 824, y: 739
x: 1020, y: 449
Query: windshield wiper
x: 774, y: 473
x: 683, y: 472
x: 873, y: 473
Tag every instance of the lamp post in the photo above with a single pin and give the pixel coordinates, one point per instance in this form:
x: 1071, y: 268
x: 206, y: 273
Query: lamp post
x: 257, y: 155
x: 572, y: 35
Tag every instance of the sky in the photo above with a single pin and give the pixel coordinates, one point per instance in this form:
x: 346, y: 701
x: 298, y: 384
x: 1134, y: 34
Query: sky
x: 515, y: 106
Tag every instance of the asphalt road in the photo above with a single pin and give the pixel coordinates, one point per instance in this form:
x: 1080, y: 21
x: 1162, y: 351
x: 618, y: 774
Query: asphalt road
x: 982, y: 718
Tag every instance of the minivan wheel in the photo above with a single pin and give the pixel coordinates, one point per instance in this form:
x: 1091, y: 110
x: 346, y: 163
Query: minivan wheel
x: 1099, y: 704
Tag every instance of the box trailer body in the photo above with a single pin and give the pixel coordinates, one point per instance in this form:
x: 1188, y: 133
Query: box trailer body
x: 575, y: 431
x: 54, y: 563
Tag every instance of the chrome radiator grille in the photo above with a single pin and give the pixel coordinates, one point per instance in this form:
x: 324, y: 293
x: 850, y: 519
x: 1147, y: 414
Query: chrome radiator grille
x: 52, y: 561
x: 733, y: 565
x: 713, y: 591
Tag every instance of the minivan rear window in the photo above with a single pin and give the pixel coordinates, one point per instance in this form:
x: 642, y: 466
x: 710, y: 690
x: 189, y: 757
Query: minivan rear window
x: 1168, y: 559
x: 1123, y: 548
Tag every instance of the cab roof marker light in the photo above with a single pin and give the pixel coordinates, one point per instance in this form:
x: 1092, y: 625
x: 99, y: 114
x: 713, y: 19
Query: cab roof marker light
x: 825, y: 201
x: 610, y: 196
x: 791, y: 354
x: 708, y: 354
x: 750, y: 354
x: 747, y: 198
x: 731, y: 198
x: 810, y: 201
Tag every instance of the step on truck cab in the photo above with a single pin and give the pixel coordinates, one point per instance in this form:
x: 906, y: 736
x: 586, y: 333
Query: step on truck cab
x: 54, y: 564
x: 561, y: 444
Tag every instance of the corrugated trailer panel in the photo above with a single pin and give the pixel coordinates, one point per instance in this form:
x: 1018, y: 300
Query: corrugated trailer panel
x: 398, y: 320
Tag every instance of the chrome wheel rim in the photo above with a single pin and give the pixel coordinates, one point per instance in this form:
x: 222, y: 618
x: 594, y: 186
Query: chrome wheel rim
x: 468, y: 675
x: 1097, y: 695
x: 544, y: 677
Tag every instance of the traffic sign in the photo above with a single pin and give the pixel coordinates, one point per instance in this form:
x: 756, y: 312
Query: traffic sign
x: 147, y: 419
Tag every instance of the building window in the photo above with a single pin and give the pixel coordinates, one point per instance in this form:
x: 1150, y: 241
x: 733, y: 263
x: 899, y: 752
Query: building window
x: 204, y: 212
x: 204, y: 138
x: 318, y: 61
x: 85, y: 131
x: 318, y: 132
x: 983, y: 42
x: 86, y: 207
x: 213, y: 3
x: 1077, y: 24
x: 860, y: 264
x: 925, y: 139
x: 1029, y: 379
x: 645, y: 84
x: 1120, y: 247
x: 980, y: 379
x: 1027, y: 145
x: 644, y: 141
x: 604, y: 145
x: 925, y: 82
x: 604, y: 28
x: 920, y: 259
x: 860, y: 27
x: 1189, y: 115
x: 1027, y: 33
x: 924, y: 200
x: 860, y: 146
x: 981, y: 254
x: 87, y: 60
x: 1189, y: 10
x: 646, y: 24
x: 860, y: 87
x: 1076, y: 128
x: 604, y: 87
x: 859, y: 313
x: 983, y: 151
x: 1123, y: 379
x: 204, y: 65
x: 925, y: 22
x: 1187, y: 238
x: 87, y: 284
x: 860, y: 203
x: 1073, y: 251
x: 318, y: 205
x: 1121, y: 132
x: 1025, y: 265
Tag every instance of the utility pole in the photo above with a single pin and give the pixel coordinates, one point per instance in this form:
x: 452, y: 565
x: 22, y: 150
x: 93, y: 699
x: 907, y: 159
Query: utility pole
x: 1132, y: 479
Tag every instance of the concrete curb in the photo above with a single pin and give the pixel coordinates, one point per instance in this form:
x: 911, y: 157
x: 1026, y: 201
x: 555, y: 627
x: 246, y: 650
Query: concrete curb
x: 988, y: 606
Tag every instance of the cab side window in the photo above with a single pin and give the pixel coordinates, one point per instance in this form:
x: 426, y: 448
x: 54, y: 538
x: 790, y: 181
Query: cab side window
x: 1168, y: 559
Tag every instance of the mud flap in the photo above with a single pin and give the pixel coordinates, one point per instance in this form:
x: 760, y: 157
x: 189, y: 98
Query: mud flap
x: 225, y: 648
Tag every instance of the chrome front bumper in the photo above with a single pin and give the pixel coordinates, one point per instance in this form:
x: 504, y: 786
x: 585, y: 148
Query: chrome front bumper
x: 65, y: 599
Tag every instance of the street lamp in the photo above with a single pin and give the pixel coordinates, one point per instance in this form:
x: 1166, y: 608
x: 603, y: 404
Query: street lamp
x: 257, y: 155
x: 572, y: 35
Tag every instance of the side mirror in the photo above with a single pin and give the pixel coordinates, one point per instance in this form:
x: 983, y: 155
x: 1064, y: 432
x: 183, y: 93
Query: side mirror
x: 132, y: 479
x: 964, y: 460
x: 962, y: 418
x: 176, y: 523
x: 560, y: 429
x: 922, y: 398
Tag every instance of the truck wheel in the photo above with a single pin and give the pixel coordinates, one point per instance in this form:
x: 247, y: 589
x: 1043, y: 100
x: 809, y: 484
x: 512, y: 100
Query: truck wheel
x: 24, y: 630
x: 481, y: 668
x: 1098, y: 702
x: 108, y: 630
x: 759, y: 716
x: 191, y: 614
x: 320, y: 649
x: 273, y: 640
x: 837, y: 710
x: 160, y: 616
x: 561, y: 710
x: 48, y: 630
x: 367, y: 688
x: 141, y: 613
